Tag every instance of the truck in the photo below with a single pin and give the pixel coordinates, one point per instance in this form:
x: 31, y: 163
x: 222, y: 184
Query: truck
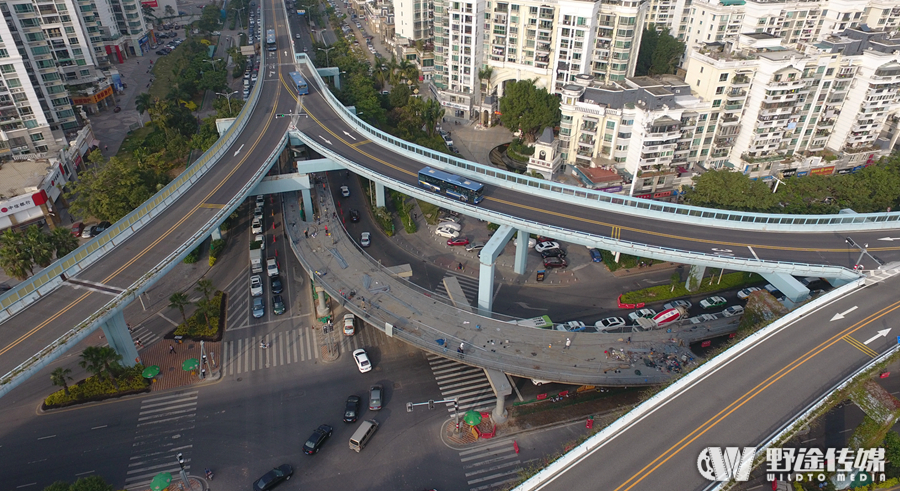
x: 256, y: 265
x: 660, y: 319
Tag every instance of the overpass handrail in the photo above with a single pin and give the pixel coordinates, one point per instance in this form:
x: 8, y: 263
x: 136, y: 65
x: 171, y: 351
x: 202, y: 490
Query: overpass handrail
x: 48, y: 279
x: 146, y: 280
x: 614, y: 202
x: 729, y: 262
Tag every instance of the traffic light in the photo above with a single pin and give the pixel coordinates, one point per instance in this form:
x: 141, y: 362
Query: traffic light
x: 409, y: 407
x: 431, y: 404
x: 180, y: 458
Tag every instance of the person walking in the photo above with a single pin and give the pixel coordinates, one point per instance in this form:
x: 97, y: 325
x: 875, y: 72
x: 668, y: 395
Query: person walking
x: 568, y: 343
x: 171, y: 350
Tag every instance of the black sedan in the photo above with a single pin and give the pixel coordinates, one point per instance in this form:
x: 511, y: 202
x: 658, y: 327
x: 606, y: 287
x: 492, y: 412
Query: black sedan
x: 354, y: 216
x: 99, y: 228
x: 315, y: 441
x: 273, y: 478
x: 277, y: 286
x: 555, y: 262
x: 351, y: 410
x: 553, y: 253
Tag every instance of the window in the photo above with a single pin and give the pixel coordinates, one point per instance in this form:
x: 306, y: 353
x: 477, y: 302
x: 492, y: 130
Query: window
x: 717, y: 103
x: 723, y: 77
x: 610, y: 125
x: 720, y: 90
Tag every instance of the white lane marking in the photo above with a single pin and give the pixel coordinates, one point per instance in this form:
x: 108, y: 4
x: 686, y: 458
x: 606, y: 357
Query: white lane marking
x: 753, y: 252
x: 239, y: 150
x: 323, y: 139
x: 842, y: 314
x: 882, y: 333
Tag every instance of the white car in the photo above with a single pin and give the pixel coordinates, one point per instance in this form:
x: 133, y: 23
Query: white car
x: 262, y: 242
x: 733, y: 311
x: 645, y: 313
x: 258, y: 213
x: 677, y: 303
x: 362, y: 360
x: 349, y: 325
x: 546, y: 246
x: 540, y: 382
x: 531, y: 243
x: 745, y: 293
x: 256, y: 227
x: 256, y: 286
x: 345, y: 191
x: 609, y: 323
x: 447, y: 232
x: 451, y: 225
x: 272, y: 267
x: 365, y: 239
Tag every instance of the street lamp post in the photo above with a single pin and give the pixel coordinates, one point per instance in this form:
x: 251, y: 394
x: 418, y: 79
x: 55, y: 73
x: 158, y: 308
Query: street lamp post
x: 240, y: 20
x: 227, y: 96
x: 327, y: 50
x: 213, y: 61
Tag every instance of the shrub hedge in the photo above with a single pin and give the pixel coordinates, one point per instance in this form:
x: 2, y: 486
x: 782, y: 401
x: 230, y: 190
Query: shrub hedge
x: 196, y: 327
x: 94, y: 389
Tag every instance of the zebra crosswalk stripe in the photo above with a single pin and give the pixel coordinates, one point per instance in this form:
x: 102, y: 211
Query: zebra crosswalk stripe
x: 468, y: 385
x: 491, y: 465
x: 158, y: 421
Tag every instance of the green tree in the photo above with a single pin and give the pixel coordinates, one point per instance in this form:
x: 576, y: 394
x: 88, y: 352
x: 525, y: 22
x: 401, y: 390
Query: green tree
x: 205, y: 287
x: 529, y: 109
x: 731, y: 191
x: 60, y: 378
x: 15, y: 258
x: 101, y: 360
x: 891, y: 445
x: 143, y: 102
x: 39, y: 245
x: 58, y: 486
x: 178, y: 301
x: 111, y: 191
x: 63, y: 241
x: 432, y: 114
x: 485, y: 75
x: 659, y: 52
x: 91, y: 483
x: 170, y: 12
x: 209, y: 18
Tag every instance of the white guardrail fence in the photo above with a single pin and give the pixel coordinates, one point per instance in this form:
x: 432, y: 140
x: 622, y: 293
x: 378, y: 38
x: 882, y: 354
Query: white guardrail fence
x: 613, y: 202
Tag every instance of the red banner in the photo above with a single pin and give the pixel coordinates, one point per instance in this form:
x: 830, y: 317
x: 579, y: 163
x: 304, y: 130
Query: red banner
x: 150, y: 3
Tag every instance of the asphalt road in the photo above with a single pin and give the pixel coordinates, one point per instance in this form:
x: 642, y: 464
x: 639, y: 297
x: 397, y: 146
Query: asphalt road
x: 777, y: 377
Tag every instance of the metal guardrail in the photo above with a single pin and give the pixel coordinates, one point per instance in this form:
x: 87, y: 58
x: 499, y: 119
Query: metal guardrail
x: 48, y: 279
x: 586, y: 239
x: 615, y: 202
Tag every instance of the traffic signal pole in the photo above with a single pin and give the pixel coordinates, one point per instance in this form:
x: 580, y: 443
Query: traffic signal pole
x: 432, y: 402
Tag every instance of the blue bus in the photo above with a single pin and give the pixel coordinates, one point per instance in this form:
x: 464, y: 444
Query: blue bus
x: 299, y: 83
x: 270, y: 40
x: 452, y: 185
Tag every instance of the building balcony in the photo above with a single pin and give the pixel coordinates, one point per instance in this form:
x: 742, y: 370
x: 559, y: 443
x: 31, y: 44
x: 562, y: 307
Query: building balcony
x: 729, y: 120
x: 733, y: 107
x: 737, y: 94
x: 589, y: 129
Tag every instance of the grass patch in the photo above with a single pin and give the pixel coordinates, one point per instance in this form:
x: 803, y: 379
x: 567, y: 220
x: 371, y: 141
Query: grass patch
x: 659, y: 293
x: 625, y: 260
x: 430, y: 212
x: 134, y: 140
x: 404, y: 206
x: 164, y: 71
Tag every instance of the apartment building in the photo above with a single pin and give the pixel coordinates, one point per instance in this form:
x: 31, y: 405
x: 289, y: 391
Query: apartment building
x: 550, y: 42
x: 414, y: 20
x: 116, y: 29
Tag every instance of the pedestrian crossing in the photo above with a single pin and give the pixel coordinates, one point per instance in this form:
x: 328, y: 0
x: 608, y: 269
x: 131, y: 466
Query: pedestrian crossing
x: 287, y: 347
x: 469, y: 385
x: 493, y: 465
x: 143, y: 337
x: 163, y: 431
x: 468, y: 284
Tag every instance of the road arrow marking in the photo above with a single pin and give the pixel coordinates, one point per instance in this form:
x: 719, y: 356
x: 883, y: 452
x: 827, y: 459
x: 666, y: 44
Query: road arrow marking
x: 526, y: 306
x: 890, y: 239
x: 351, y: 136
x: 842, y: 314
x: 882, y: 333
x: 238, y: 150
x: 323, y: 139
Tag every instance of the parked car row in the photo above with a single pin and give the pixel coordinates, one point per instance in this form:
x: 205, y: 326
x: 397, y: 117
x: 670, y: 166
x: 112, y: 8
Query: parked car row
x: 273, y: 272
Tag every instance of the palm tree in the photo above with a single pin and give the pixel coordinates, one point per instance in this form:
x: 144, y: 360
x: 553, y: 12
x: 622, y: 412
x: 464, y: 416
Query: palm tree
x: 63, y: 241
x: 179, y: 300
x: 205, y: 287
x: 39, y: 246
x: 485, y: 75
x: 432, y: 113
x: 59, y: 378
x: 14, y: 256
x: 99, y: 360
x: 143, y: 102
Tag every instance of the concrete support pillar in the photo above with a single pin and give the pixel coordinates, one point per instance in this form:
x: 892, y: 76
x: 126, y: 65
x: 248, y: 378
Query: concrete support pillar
x: 322, y: 309
x: 116, y: 331
x: 379, y: 194
x: 695, y: 277
x: 485, y: 289
x: 307, y: 205
x: 500, y: 414
x: 521, y: 252
x: 216, y: 234
x: 502, y: 387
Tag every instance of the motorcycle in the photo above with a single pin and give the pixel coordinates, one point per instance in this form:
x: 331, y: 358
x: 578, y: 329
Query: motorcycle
x: 209, y: 475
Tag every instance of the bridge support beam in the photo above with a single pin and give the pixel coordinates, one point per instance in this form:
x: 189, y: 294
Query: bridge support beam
x: 379, y: 195
x: 793, y: 290
x: 521, y: 252
x: 695, y: 277
x: 488, y: 257
x: 502, y: 388
x: 116, y: 331
x: 307, y: 204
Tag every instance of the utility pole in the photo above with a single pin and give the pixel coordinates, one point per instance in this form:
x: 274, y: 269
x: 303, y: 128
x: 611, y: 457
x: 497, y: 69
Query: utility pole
x: 295, y: 117
x: 180, y: 458
x: 432, y: 402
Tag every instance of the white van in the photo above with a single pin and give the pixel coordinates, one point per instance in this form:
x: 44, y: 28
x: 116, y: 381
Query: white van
x: 362, y: 435
x: 272, y: 267
x: 449, y: 224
